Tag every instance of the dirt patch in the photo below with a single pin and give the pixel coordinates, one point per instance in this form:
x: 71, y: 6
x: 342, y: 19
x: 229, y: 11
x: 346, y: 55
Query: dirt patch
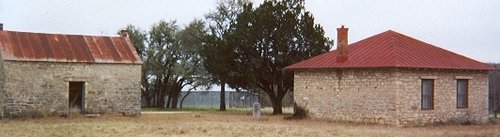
x: 165, y: 112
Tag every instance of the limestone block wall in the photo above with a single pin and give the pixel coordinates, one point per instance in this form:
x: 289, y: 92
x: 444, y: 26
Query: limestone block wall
x: 1, y: 86
x: 388, y: 96
x: 42, y: 88
x: 445, y: 97
x: 347, y: 95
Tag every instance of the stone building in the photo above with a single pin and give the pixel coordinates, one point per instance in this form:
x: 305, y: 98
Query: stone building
x: 57, y: 74
x: 391, y: 78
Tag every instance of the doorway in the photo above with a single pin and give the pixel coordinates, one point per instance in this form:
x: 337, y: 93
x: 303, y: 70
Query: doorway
x: 76, y: 97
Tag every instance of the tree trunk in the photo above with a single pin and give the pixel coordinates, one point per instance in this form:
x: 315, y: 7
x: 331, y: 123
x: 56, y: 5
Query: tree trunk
x: 184, y: 97
x: 145, y: 96
x: 161, y: 100
x: 153, y: 100
x: 222, y: 106
x: 175, y: 98
x: 158, y: 100
x: 157, y: 94
x: 169, y: 100
x: 147, y: 99
x: 277, y: 100
x: 277, y: 106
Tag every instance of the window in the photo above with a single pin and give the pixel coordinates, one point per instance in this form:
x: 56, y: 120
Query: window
x: 462, y: 93
x: 427, y: 94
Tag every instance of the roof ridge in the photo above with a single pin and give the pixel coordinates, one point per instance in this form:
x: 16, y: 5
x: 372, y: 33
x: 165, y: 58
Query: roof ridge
x: 65, y: 34
x: 394, y: 49
x: 370, y: 37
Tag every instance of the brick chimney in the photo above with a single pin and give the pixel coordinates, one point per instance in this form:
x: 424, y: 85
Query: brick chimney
x: 342, y: 44
x: 124, y: 33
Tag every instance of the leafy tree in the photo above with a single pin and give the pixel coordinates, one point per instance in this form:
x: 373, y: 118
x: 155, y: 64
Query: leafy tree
x: 171, y: 60
x: 161, y: 48
x: 217, y: 52
x: 267, y: 39
x: 189, y: 69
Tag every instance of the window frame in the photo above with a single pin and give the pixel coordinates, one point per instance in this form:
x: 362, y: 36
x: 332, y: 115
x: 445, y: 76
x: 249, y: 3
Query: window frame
x: 465, y: 95
x: 422, y: 96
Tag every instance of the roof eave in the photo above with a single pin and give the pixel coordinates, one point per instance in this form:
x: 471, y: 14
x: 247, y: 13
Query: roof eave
x: 384, y: 67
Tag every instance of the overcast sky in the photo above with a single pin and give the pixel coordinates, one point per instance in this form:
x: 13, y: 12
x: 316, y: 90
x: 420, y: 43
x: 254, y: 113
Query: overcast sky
x: 467, y: 27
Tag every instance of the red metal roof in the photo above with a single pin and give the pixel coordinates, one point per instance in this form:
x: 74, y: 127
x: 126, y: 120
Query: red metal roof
x: 392, y: 50
x: 26, y: 46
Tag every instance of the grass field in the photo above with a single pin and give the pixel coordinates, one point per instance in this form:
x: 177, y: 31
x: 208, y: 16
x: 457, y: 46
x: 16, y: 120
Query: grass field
x: 233, y: 123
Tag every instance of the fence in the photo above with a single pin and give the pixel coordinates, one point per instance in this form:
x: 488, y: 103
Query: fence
x: 211, y: 99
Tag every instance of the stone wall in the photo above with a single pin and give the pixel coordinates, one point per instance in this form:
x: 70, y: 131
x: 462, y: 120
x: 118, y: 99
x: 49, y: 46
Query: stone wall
x: 346, y: 95
x: 34, y: 89
x: 388, y: 96
x: 445, y: 95
x: 1, y: 86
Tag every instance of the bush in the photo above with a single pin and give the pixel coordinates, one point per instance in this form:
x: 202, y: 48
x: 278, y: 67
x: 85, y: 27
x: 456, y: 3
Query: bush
x: 299, y: 112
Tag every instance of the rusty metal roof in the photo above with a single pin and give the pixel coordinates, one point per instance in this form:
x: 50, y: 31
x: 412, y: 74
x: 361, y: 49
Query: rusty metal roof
x: 392, y: 50
x: 27, y: 46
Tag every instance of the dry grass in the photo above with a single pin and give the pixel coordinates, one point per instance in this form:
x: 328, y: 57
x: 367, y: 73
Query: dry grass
x: 212, y: 123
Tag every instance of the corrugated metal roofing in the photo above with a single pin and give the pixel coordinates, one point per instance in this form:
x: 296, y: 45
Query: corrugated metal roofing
x: 26, y: 46
x: 392, y: 50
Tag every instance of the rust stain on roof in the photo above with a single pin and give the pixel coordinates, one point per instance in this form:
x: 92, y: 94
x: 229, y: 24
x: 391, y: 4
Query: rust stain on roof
x: 26, y: 46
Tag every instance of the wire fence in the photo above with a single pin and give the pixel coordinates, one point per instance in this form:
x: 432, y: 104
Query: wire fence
x: 211, y: 99
x: 243, y: 99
